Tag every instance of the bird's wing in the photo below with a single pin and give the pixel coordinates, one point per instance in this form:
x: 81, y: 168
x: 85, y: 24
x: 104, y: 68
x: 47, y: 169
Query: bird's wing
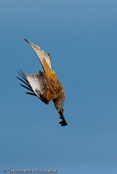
x: 41, y: 54
x: 26, y: 84
x: 35, y: 83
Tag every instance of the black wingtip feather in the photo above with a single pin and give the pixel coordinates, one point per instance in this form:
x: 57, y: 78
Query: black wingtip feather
x: 26, y: 87
x: 31, y: 93
x: 23, y: 76
x: 26, y: 40
x: 24, y: 80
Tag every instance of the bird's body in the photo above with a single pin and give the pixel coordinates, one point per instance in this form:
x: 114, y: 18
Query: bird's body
x: 45, y: 85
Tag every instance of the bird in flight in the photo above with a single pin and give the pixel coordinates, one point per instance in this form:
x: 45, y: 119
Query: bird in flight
x: 45, y: 85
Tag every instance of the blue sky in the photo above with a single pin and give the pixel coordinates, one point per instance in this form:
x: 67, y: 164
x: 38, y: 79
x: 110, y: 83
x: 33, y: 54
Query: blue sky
x: 81, y: 37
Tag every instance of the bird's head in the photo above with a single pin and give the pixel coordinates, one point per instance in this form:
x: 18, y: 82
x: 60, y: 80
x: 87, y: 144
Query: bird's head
x: 63, y: 122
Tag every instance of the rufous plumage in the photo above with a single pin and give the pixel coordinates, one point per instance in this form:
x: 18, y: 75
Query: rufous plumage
x: 45, y: 85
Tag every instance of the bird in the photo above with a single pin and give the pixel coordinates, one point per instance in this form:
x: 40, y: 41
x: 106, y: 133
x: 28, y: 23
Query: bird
x: 45, y: 85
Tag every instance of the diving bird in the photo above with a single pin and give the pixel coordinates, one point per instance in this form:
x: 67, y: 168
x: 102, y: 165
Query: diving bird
x: 45, y: 85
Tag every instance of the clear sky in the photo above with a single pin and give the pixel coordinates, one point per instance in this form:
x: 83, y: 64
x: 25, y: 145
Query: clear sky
x: 81, y: 37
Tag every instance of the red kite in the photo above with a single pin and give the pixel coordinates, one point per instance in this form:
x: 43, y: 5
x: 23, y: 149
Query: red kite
x: 45, y: 85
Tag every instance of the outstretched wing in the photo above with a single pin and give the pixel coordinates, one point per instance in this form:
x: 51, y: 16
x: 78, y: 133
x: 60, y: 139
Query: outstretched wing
x: 41, y: 54
x: 27, y: 85
x: 35, y: 83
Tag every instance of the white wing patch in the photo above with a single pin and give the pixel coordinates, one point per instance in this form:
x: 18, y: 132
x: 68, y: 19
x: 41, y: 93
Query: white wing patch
x: 41, y: 54
x: 36, y: 83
